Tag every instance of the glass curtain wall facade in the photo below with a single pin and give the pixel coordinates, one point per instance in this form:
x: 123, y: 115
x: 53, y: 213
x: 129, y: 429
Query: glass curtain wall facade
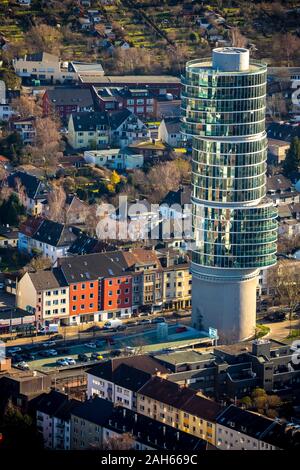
x: 223, y: 118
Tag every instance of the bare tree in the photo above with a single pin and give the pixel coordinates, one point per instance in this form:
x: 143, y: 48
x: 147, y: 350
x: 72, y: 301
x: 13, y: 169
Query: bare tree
x: 122, y: 442
x: 43, y: 38
x: 45, y: 152
x: 26, y: 106
x: 285, y: 280
x: 57, y: 203
x: 20, y: 190
x: 237, y: 38
x: 37, y: 263
x: 286, y: 47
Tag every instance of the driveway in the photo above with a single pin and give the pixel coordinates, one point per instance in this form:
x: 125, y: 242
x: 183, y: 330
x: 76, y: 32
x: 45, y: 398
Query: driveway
x: 280, y: 330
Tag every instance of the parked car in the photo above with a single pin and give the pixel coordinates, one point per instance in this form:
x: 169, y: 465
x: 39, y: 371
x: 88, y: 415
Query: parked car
x: 14, y: 350
x: 70, y: 361
x: 144, y: 314
x: 144, y: 322
x: 52, y: 352
x: 91, y: 344
x: 121, y: 327
x: 83, y: 357
x: 112, y: 324
x: 22, y: 365
x: 116, y: 352
x: 181, y: 329
x: 132, y: 323
x: 129, y: 350
x: 62, y: 362
x: 96, y: 356
x: 159, y: 320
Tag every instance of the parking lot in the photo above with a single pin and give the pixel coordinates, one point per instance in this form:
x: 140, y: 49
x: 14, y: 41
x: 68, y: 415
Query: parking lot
x: 137, y: 342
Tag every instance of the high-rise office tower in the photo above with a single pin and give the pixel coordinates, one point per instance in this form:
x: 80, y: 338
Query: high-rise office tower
x: 235, y: 227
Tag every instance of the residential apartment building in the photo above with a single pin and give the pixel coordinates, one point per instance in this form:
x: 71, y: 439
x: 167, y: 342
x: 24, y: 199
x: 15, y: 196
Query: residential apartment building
x: 46, y: 238
x: 239, y: 429
x: 25, y: 127
x: 65, y: 101
x: 127, y: 128
x: 119, y: 380
x: 53, y: 415
x: 147, y: 278
x: 99, y: 288
x: 30, y: 189
x: 177, y: 286
x: 114, y: 159
x: 96, y: 422
x: 137, y: 100
x: 169, y: 131
x: 45, y: 294
x: 179, y: 407
x: 48, y: 68
x: 44, y: 67
x: 234, y: 371
x: 88, y: 130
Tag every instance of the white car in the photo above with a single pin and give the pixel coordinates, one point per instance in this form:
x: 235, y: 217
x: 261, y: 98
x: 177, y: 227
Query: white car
x: 14, y: 350
x: 23, y: 365
x: 129, y: 349
x: 49, y: 343
x: 62, y: 362
x: 70, y: 361
x: 52, y: 352
x: 91, y: 345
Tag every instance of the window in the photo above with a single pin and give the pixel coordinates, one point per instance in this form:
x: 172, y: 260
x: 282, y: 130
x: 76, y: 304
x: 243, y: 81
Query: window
x: 91, y: 285
x: 74, y: 297
x: 82, y: 286
x: 74, y: 307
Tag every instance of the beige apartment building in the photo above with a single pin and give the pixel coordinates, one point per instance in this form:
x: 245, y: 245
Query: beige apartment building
x: 179, y: 407
x: 45, y: 294
x: 177, y: 286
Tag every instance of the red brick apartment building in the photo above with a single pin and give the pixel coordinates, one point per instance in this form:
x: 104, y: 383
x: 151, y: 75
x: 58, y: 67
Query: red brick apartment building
x: 84, y: 299
x: 99, y: 287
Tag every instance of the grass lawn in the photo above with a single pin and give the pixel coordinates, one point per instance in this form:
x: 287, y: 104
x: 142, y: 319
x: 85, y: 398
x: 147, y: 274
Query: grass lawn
x: 262, y: 330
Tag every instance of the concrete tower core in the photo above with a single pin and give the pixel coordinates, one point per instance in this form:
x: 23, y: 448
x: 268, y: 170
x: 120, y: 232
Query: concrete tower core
x: 235, y: 227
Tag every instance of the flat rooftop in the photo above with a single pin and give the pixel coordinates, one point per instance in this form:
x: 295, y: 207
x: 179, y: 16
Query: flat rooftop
x: 184, y: 357
x: 134, y: 79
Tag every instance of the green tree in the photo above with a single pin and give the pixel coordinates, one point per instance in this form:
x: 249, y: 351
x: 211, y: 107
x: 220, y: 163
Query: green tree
x: 10, y: 211
x: 247, y: 402
x: 292, y: 159
x: 18, y: 431
x: 11, y: 146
